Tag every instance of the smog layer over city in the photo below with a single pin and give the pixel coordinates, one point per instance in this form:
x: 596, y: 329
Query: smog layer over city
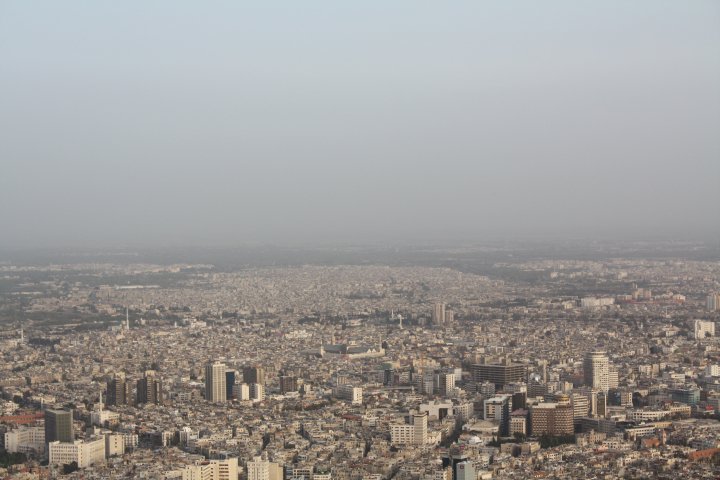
x: 359, y: 240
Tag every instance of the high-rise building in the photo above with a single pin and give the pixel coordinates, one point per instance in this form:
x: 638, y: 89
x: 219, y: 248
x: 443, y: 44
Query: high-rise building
x: 552, y: 419
x: 254, y: 374
x: 498, y: 409
x: 438, y: 314
x: 451, y: 460
x: 257, y: 392
x: 445, y: 383
x: 602, y: 404
x: 581, y: 406
x: 519, y: 400
x: 413, y: 433
x: 499, y: 374
x: 518, y: 422
x: 149, y: 389
x: 420, y: 425
x: 613, y: 377
x: 241, y: 391
x: 465, y: 471
x: 712, y: 302
x: 215, y: 388
x: 350, y: 393
x: 59, y: 426
x: 117, y: 391
x: 288, y: 383
x: 596, y: 368
x: 230, y: 378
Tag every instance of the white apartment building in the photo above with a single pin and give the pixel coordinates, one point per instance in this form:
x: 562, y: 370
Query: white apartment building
x: 262, y: 469
x: 703, y: 329
x: 414, y: 433
x: 114, y: 444
x: 241, y: 391
x: 215, y: 389
x: 25, y: 440
x: 257, y: 392
x: 85, y: 453
x: 350, y: 393
x: 592, y: 302
x: 212, y: 470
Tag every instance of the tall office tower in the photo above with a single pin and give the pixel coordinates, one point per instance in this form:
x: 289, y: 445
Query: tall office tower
x: 602, y: 404
x: 591, y: 395
x: 288, y: 383
x: 499, y: 374
x: 518, y: 422
x: 452, y: 460
x: 498, y: 409
x: 438, y: 314
x: 149, y: 389
x: 419, y: 428
x: 713, y: 302
x: 413, y: 433
x: 597, y: 370
x: 230, y: 378
x: 703, y: 329
x: 257, y: 392
x: 449, y: 316
x: 117, y: 391
x: 241, y: 391
x: 465, y: 471
x: 445, y: 383
x: 389, y: 375
x: 543, y: 368
x: 59, y: 426
x: 581, y: 406
x: 215, y: 388
x: 519, y: 400
x: 613, y: 377
x: 254, y: 374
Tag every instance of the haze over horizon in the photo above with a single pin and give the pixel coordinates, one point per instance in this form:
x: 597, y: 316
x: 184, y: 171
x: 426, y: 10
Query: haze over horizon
x: 216, y: 123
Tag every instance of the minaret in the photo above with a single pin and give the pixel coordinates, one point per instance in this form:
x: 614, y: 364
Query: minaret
x: 127, y: 319
x: 22, y: 335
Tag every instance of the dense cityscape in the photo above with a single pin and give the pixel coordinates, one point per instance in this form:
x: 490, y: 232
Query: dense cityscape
x: 359, y: 240
x: 597, y: 367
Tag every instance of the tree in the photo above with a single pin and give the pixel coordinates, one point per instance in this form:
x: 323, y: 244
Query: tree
x: 69, y: 468
x: 7, y: 459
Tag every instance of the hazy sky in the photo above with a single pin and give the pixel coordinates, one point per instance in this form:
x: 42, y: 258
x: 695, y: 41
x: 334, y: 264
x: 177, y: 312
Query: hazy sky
x: 187, y: 122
